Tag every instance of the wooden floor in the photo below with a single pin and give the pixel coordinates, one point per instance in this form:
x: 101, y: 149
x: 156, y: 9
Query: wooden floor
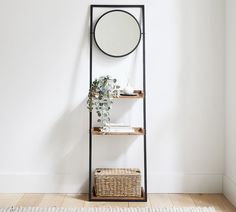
x: 220, y: 203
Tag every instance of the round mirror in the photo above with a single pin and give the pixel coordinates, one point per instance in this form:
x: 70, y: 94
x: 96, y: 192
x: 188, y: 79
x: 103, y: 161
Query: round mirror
x: 117, y: 33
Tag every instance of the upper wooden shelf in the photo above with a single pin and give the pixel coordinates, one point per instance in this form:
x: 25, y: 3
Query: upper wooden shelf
x: 137, y: 131
x: 136, y: 95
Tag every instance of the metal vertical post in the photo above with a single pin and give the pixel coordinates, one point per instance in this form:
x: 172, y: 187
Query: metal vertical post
x: 90, y: 113
x: 144, y: 108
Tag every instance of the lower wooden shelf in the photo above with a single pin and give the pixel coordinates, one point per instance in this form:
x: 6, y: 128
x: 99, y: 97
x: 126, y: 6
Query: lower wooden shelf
x: 119, y: 199
x: 137, y: 131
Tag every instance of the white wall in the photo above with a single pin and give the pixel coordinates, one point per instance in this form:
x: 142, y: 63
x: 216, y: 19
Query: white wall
x: 230, y: 144
x: 44, y: 64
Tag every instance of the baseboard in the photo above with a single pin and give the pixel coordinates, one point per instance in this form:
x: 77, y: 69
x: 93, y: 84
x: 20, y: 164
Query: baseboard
x: 229, y: 189
x: 60, y: 183
x: 42, y: 183
x: 185, y: 183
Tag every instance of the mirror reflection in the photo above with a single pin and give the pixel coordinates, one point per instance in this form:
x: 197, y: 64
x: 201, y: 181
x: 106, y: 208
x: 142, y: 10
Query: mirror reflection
x: 117, y: 33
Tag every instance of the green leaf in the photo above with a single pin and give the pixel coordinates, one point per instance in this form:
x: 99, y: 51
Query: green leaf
x: 100, y: 95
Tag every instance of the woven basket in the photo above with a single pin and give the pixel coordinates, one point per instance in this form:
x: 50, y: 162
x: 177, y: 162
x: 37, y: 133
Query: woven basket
x: 117, y: 182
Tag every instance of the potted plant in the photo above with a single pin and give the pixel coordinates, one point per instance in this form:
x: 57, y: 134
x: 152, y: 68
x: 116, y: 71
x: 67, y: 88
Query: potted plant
x: 100, y: 96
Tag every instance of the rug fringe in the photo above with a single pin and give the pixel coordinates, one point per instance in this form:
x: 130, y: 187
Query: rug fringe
x: 107, y: 209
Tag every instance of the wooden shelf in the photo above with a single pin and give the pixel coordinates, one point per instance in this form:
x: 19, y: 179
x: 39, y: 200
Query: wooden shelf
x: 138, y: 94
x: 119, y: 199
x: 137, y: 131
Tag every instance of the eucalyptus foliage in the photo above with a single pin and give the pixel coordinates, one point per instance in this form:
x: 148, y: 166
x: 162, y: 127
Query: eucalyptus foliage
x: 100, y: 96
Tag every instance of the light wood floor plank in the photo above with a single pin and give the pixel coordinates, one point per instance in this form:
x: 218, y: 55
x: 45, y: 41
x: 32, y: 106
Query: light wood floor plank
x: 7, y: 200
x: 160, y: 200
x: 52, y: 200
x: 31, y: 200
x: 105, y: 204
x: 140, y: 204
x: 214, y: 200
x: 227, y: 205
x: 72, y: 201
x: 181, y: 200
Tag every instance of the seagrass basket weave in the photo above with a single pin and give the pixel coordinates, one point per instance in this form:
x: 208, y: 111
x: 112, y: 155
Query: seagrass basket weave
x: 117, y: 182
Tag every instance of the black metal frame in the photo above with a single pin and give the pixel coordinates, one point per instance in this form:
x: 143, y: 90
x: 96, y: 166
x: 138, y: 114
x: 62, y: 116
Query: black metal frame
x: 140, y: 34
x: 144, y: 199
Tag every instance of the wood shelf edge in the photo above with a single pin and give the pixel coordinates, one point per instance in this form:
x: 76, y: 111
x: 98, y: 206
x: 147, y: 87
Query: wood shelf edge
x: 138, y: 94
x: 137, y: 131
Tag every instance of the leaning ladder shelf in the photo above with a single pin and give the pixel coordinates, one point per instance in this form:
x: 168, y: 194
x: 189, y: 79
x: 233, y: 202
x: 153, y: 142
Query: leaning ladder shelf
x: 138, y: 131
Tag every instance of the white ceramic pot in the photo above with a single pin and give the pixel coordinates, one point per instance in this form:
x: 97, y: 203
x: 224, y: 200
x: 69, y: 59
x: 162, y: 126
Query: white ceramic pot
x: 128, y: 90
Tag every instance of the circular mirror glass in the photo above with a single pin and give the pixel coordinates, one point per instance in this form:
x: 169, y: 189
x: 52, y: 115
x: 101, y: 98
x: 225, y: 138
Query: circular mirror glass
x: 117, y: 33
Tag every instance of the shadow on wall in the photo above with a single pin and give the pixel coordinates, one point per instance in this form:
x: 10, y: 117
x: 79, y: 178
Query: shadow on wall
x: 64, y: 151
x: 78, y: 76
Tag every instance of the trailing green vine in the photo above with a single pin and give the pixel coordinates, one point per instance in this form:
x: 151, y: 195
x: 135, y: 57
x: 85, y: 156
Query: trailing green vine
x: 100, y: 96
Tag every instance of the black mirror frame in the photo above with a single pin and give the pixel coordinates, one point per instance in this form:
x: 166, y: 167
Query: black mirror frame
x: 140, y: 33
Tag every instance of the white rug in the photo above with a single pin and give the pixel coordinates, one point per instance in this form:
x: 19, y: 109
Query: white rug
x: 55, y: 209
